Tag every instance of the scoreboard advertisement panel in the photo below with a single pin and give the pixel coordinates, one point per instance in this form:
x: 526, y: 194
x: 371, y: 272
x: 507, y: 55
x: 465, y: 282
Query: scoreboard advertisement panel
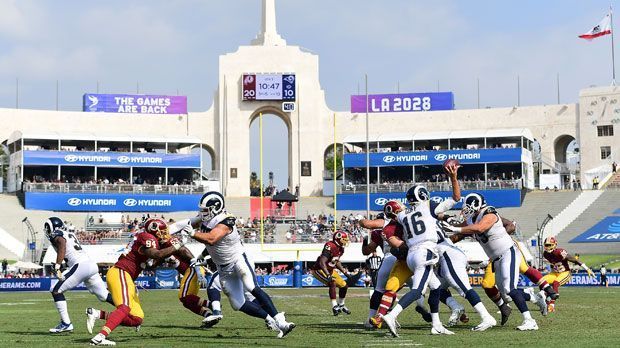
x: 268, y: 87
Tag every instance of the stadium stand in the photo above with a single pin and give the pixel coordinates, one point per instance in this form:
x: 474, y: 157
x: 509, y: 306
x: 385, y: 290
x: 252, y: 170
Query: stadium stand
x: 605, y: 205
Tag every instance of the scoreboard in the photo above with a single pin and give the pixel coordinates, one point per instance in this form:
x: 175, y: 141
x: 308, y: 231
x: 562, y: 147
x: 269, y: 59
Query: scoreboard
x: 268, y: 87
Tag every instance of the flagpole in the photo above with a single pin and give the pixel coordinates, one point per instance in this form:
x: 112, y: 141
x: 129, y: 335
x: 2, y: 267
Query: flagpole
x: 613, y: 58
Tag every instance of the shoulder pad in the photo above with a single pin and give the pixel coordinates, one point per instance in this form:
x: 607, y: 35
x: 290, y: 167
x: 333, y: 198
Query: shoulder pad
x: 490, y: 210
x: 229, y: 221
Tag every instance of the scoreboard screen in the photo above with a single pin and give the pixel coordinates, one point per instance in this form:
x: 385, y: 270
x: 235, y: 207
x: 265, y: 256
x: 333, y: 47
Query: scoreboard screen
x: 268, y: 87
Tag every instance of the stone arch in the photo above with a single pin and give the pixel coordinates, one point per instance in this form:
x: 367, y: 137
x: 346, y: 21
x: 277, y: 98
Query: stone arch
x: 560, y: 145
x: 285, y: 117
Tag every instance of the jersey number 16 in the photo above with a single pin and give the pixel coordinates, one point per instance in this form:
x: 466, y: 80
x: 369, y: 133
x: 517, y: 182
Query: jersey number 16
x: 412, y: 225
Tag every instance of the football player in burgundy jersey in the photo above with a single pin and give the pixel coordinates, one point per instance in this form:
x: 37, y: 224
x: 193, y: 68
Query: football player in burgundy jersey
x: 561, y: 272
x: 120, y: 279
x: 324, y: 270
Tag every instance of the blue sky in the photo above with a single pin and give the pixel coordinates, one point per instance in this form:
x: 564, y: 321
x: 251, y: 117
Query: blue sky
x: 170, y: 46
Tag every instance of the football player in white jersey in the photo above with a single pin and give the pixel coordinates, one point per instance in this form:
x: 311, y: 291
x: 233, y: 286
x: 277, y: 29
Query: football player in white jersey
x: 453, y: 261
x: 80, y: 269
x: 236, y: 271
x: 420, y: 226
x: 486, y: 226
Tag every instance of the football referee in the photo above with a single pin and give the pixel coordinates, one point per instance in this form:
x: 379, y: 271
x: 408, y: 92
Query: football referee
x: 373, y: 262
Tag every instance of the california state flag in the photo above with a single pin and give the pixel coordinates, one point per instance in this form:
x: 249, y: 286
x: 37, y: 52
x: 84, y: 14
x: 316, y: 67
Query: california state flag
x: 601, y: 29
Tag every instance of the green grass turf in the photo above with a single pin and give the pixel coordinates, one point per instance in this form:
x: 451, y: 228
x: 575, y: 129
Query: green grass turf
x: 586, y: 317
x: 596, y: 260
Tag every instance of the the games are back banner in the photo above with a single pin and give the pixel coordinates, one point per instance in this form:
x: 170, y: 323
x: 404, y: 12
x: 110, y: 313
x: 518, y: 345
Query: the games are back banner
x: 135, y: 104
x: 410, y: 102
x: 394, y: 159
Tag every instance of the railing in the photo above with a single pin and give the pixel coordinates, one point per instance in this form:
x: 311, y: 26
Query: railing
x: 433, y: 186
x: 113, y: 188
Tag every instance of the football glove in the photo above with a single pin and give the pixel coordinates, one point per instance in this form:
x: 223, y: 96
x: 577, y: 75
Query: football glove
x: 176, y: 243
x: 447, y: 227
x: 58, y: 271
x: 590, y: 273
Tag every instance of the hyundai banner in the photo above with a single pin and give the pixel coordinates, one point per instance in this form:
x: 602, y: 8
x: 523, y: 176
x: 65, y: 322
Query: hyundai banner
x: 357, y: 201
x: 411, y: 102
x: 395, y: 159
x: 606, y: 230
x: 135, y: 104
x: 111, y: 159
x: 111, y: 202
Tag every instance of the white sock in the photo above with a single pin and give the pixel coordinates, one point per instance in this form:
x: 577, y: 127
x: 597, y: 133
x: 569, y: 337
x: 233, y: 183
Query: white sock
x: 341, y: 301
x: 396, y: 310
x: 61, y: 306
x: 482, y: 310
x: 499, y: 302
x: 453, y: 304
x: 436, y: 320
x: 526, y: 315
x: 216, y: 306
x: 372, y: 313
x: 334, y: 303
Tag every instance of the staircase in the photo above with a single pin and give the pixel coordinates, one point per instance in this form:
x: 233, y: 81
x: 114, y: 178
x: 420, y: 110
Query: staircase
x: 613, y: 182
x: 572, y: 211
x: 535, y: 207
x: 605, y: 205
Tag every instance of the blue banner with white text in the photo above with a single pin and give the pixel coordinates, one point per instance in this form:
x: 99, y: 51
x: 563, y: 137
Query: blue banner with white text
x: 606, y: 230
x: 166, y: 278
x: 45, y: 284
x: 111, y: 159
x: 395, y: 159
x: 357, y: 201
x: 276, y: 281
x: 111, y: 202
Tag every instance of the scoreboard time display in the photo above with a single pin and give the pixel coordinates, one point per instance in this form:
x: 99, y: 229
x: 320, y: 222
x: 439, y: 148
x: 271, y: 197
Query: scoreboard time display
x: 268, y: 87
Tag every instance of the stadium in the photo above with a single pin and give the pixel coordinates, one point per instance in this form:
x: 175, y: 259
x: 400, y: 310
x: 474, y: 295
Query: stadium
x: 551, y: 170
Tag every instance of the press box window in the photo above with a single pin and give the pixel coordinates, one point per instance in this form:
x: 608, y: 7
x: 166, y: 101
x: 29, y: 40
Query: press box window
x: 605, y: 152
x: 605, y: 131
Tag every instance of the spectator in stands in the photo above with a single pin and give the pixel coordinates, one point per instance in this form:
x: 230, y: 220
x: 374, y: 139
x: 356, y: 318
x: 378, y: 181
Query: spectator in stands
x: 614, y: 167
x: 5, y: 264
x: 595, y: 183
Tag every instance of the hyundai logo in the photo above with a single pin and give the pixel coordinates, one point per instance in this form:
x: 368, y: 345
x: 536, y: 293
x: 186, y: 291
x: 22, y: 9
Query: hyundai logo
x: 441, y: 157
x: 437, y: 199
x: 71, y: 158
x: 74, y: 201
x: 123, y: 159
x: 130, y: 202
x: 389, y: 159
x: 381, y: 201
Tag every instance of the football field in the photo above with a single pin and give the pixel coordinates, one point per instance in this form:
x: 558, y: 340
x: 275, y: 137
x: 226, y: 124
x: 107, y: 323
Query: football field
x: 586, y: 317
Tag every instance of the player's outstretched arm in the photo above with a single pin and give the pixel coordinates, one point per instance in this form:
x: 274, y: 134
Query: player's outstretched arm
x: 342, y: 269
x: 215, y: 235
x: 574, y: 260
x: 163, y: 253
x: 481, y: 227
x: 371, y: 224
x: 184, y: 254
x: 456, y: 188
x: 368, y: 246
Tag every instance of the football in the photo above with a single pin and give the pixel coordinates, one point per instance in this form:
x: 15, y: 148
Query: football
x: 450, y: 163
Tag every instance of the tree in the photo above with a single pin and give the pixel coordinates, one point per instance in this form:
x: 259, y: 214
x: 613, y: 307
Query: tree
x: 329, y: 159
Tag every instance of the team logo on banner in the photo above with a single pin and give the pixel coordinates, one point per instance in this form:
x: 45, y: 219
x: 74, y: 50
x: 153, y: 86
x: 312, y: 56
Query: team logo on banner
x: 389, y: 159
x: 71, y: 158
x: 74, y: 201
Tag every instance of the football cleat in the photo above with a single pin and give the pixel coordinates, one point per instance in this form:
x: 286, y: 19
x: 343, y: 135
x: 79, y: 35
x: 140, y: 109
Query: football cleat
x: 271, y: 324
x: 368, y: 325
x: 424, y: 313
x: 539, y: 300
x: 455, y: 316
x: 91, y: 317
x: 505, y: 310
x: 212, y: 319
x: 391, y: 324
x: 487, y: 323
x: 62, y: 327
x: 344, y: 309
x: 336, y: 310
x: 101, y: 340
x: 528, y: 325
x: 551, y: 293
x: 284, y: 327
x: 376, y: 321
x: 440, y: 330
